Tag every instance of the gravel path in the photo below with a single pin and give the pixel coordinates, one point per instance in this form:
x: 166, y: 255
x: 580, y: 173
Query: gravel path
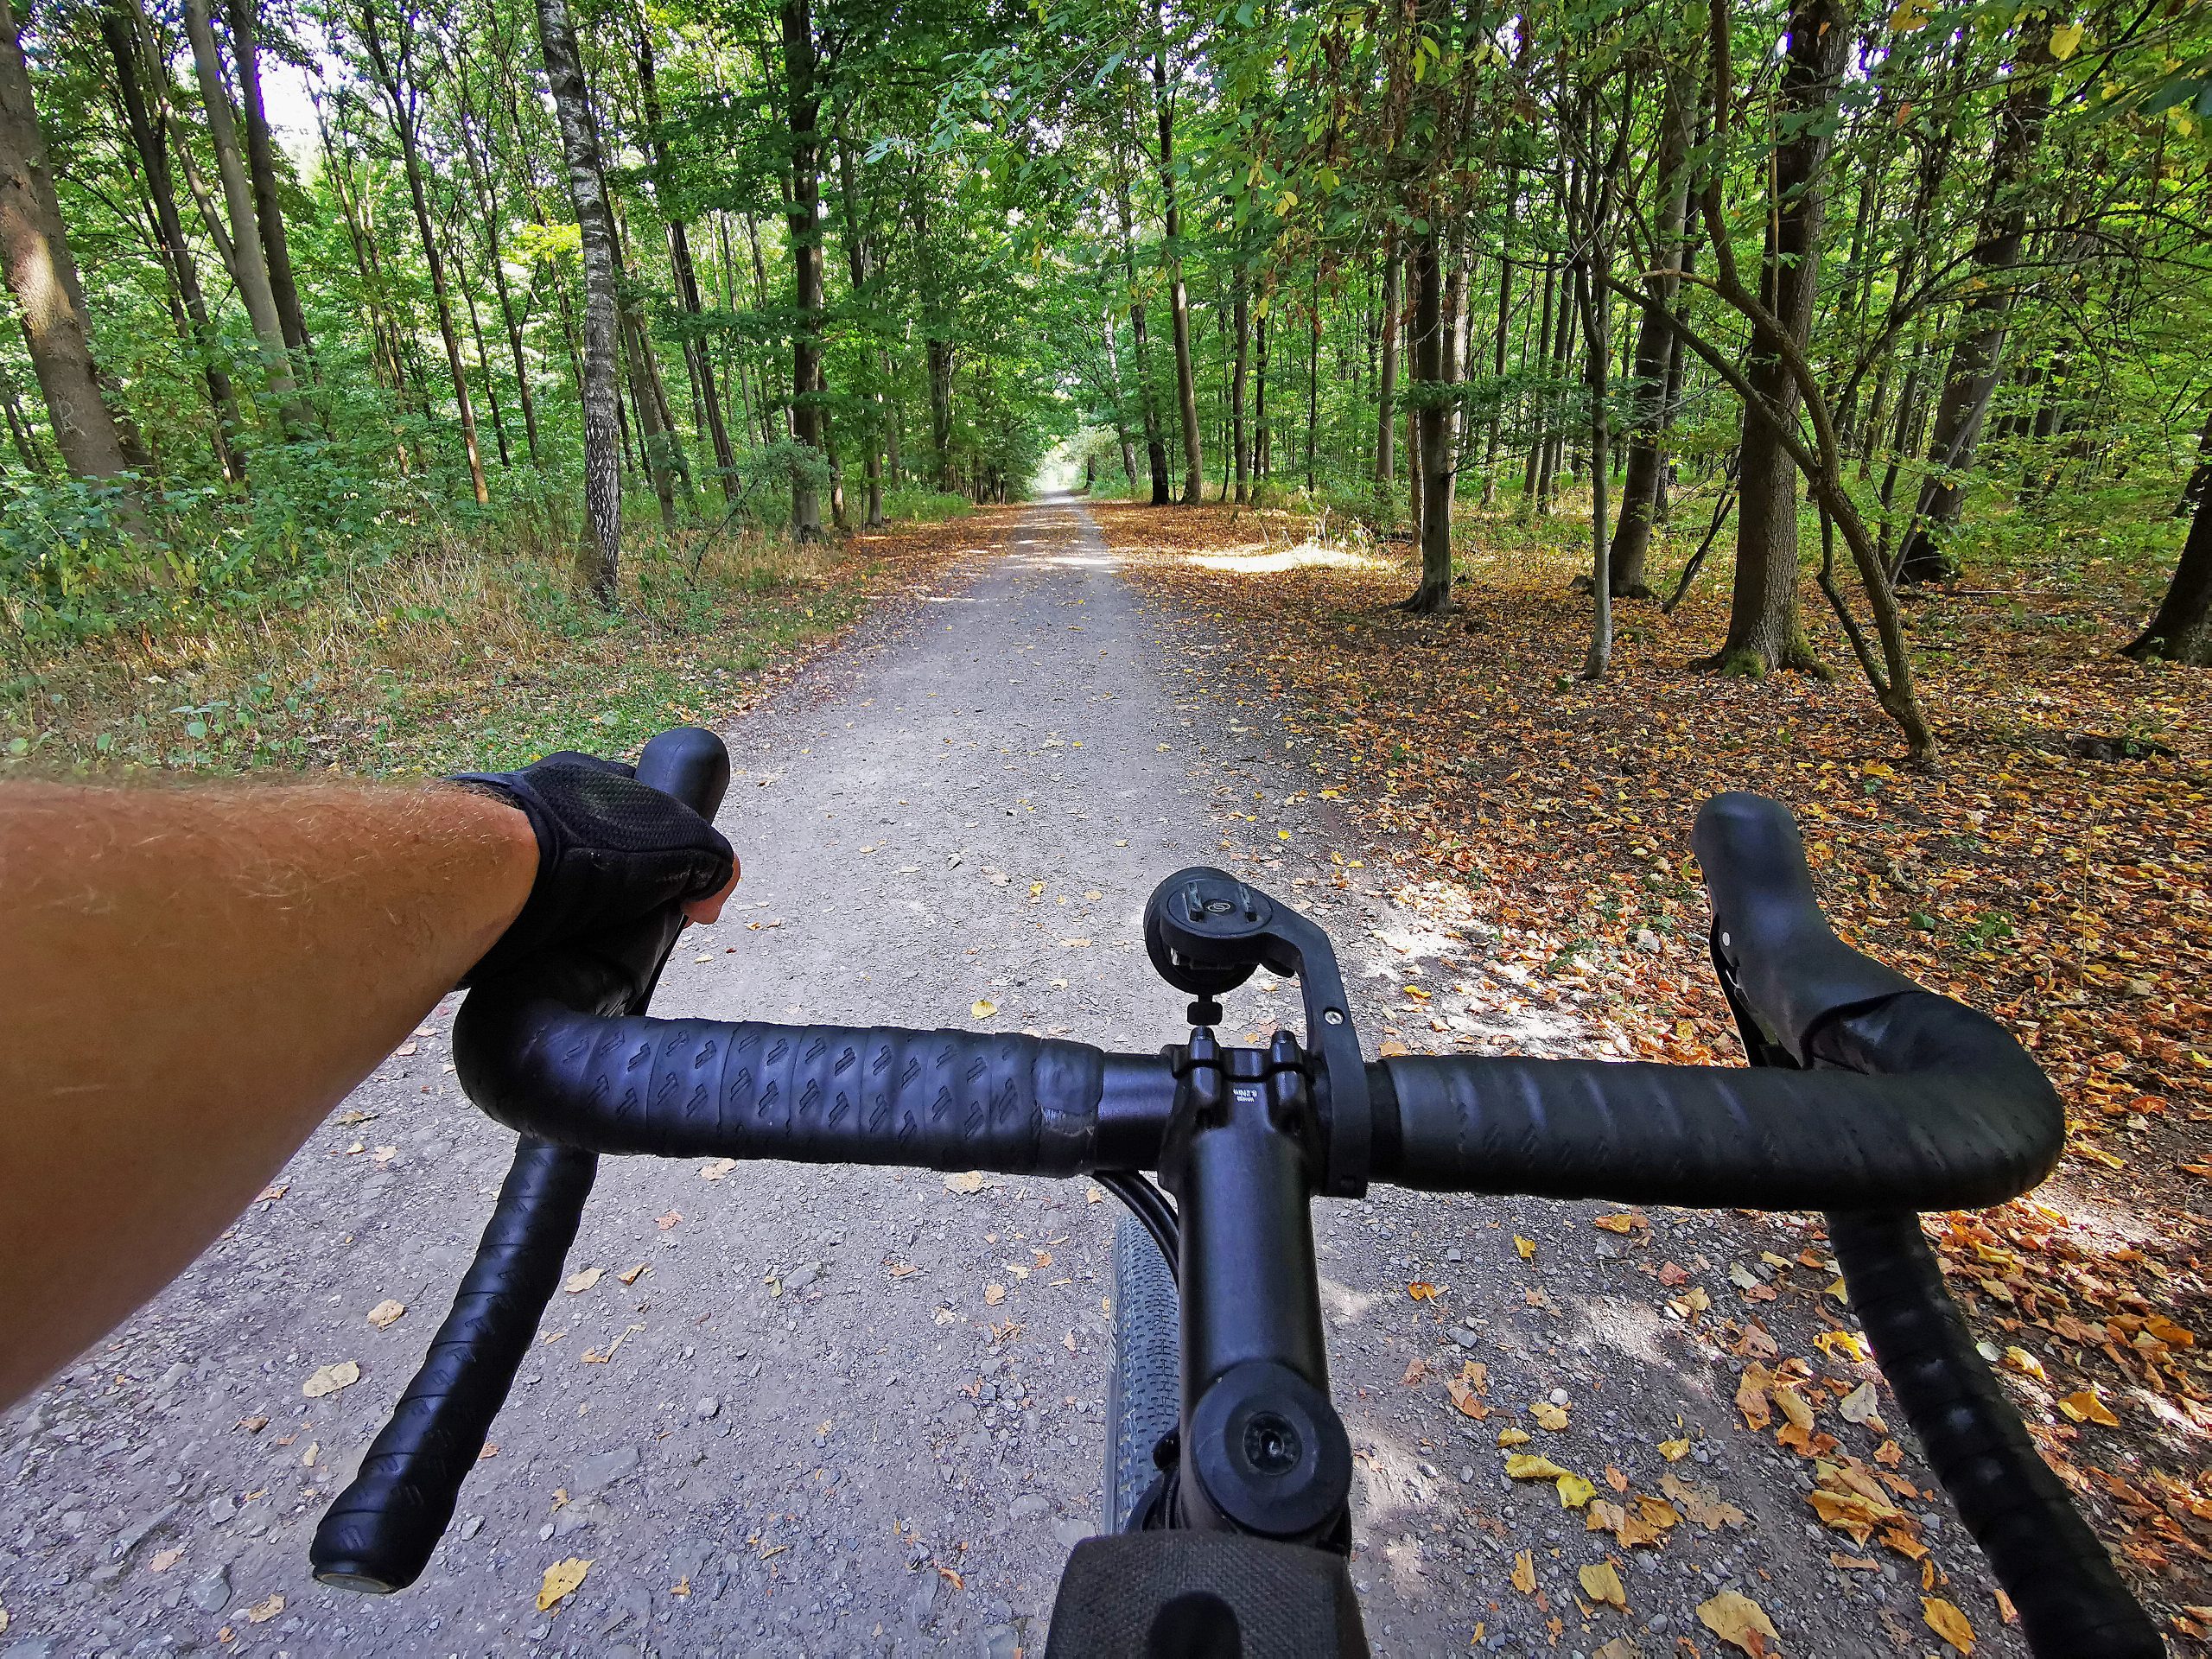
x: 855, y: 1411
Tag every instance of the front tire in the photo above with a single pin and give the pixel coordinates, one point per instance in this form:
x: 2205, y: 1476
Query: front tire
x: 1144, y: 1389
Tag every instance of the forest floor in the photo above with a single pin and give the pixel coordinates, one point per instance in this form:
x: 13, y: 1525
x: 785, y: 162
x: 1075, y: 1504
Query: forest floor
x: 2070, y: 897
x: 458, y: 656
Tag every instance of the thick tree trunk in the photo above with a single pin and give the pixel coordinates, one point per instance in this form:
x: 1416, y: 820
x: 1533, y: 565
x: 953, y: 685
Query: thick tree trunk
x: 802, y: 225
x: 938, y: 356
x: 588, y: 196
x: 2200, y: 476
x: 1236, y: 440
x: 1433, y: 371
x: 260, y: 161
x: 2181, y: 632
x: 1764, y: 630
x: 1179, y: 301
x: 1977, y: 358
x: 1386, y: 378
x: 249, y: 263
x: 151, y: 145
x: 43, y: 276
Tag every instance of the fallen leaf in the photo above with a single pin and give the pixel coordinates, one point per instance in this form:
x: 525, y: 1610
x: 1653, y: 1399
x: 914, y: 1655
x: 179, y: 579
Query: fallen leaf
x: 983, y: 1008
x: 386, y: 1313
x: 2008, y: 1614
x: 1616, y: 1479
x: 1463, y: 1397
x: 1841, y: 1345
x: 273, y: 1191
x: 2086, y: 1405
x: 1421, y: 1291
x: 165, y: 1559
x: 1526, y: 1466
x: 1511, y: 1436
x: 1627, y: 1221
x: 1416, y: 1371
x: 716, y: 1171
x: 1601, y: 1583
x: 1392, y: 1049
x: 1574, y: 1492
x: 669, y: 1220
x: 560, y: 1581
x: 1674, y: 1451
x: 1860, y: 1406
x: 1947, y: 1622
x: 1793, y: 1407
x: 972, y: 1182
x: 1738, y: 1621
x: 1620, y: 1647
x: 1526, y: 1246
x: 1549, y: 1416
x: 1853, y: 1563
x: 328, y: 1379
x: 1524, y: 1573
x: 254, y: 1424
x: 2020, y: 1360
x: 308, y: 1457
x: 261, y: 1611
x: 1700, y: 1506
x: 1751, y: 1398
x: 580, y: 1283
x: 632, y: 1276
x: 1889, y: 1454
x: 993, y: 1294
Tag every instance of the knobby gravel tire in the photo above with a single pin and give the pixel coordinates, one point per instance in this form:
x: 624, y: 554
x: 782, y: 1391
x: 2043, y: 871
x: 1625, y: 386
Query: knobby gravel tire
x: 1144, y: 1391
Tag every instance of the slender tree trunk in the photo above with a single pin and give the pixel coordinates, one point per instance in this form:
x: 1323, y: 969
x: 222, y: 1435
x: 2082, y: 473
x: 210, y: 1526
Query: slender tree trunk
x: 803, y: 223
x: 1156, y: 444
x: 1977, y: 360
x: 1386, y: 378
x: 1432, y: 353
x: 2181, y: 630
x: 1313, y: 378
x: 588, y: 196
x: 860, y: 258
x: 1109, y: 333
x: 261, y: 161
x: 1497, y: 368
x: 1540, y: 402
x: 151, y: 144
x: 249, y: 263
x: 43, y: 276
x: 488, y: 211
x: 1655, y: 353
x: 483, y: 357
x: 1243, y: 319
x: 1179, y: 301
x: 1764, y: 629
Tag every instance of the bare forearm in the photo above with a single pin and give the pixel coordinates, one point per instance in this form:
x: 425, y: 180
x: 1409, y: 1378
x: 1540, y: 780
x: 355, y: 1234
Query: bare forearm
x: 193, y: 978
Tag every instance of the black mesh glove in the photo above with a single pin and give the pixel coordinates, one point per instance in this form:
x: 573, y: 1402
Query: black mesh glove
x: 610, y: 850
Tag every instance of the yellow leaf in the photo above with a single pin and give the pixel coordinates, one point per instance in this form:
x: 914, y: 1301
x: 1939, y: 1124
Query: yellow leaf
x: 385, y: 1311
x: 2064, y: 43
x: 1463, y: 1397
x: 1947, y: 1622
x: 1626, y: 1221
x: 1417, y: 994
x: 1511, y: 1436
x: 1794, y: 1408
x: 261, y: 1612
x: 1674, y: 1451
x: 2020, y: 1360
x: 1527, y: 1466
x: 560, y: 1581
x: 1840, y: 1345
x: 1393, y: 1049
x: 1574, y: 1492
x: 1421, y: 1291
x: 1524, y: 1575
x: 1602, y: 1584
x: 580, y: 1283
x: 1548, y: 1415
x: 971, y: 1182
x: 983, y: 1008
x: 2086, y: 1407
x: 328, y: 1379
x: 1738, y: 1621
x: 1527, y: 1247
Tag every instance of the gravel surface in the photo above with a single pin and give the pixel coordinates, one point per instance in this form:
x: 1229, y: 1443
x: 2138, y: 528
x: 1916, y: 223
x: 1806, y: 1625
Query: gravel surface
x: 860, y: 1411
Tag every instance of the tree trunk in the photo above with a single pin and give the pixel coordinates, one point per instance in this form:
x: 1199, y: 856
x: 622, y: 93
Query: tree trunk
x: 1107, y: 331
x: 488, y: 210
x: 860, y: 257
x: 483, y: 357
x: 1764, y: 630
x: 1236, y: 436
x: 1179, y: 301
x: 152, y: 148
x: 1263, y: 454
x: 1155, y: 445
x: 1433, y: 371
x: 2200, y: 476
x: 43, y: 276
x: 1655, y: 353
x: 2181, y: 632
x: 1497, y: 368
x: 249, y: 263
x: 1540, y: 402
x: 588, y: 195
x: 1977, y: 358
x: 261, y: 161
x: 802, y: 222
x: 697, y: 356
x: 1386, y: 378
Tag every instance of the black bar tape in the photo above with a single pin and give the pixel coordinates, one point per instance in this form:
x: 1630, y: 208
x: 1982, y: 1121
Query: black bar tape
x: 380, y: 1532
x: 2071, y: 1600
x: 815, y: 1094
x: 1716, y: 1136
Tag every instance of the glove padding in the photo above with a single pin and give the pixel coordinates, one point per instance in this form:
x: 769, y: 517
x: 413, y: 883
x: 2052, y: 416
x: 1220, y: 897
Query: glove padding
x: 610, y: 850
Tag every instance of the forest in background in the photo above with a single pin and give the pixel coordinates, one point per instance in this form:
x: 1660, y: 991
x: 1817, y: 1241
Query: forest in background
x: 1827, y: 297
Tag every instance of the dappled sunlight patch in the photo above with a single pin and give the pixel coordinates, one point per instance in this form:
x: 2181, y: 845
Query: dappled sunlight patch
x: 1260, y: 559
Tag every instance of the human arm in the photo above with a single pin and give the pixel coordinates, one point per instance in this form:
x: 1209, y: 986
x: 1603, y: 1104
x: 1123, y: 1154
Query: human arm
x: 193, y: 978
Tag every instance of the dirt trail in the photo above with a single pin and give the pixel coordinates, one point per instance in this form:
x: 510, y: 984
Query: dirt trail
x: 852, y: 1411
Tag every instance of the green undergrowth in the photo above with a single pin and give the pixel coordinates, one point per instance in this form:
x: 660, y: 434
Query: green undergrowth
x: 462, y: 653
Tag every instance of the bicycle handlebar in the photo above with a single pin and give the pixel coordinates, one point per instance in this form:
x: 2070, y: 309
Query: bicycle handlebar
x: 1868, y: 1096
